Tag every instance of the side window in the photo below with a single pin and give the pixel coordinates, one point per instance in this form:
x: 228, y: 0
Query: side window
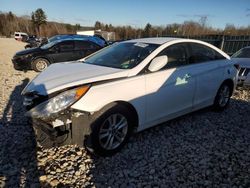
x: 177, y: 55
x: 94, y: 45
x: 201, y: 53
x: 218, y: 55
x: 66, y: 46
x: 84, y: 45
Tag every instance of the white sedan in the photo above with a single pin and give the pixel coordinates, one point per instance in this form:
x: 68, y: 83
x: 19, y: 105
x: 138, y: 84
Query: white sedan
x: 127, y: 87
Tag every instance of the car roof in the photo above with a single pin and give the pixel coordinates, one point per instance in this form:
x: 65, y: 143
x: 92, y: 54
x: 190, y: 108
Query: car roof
x: 162, y: 40
x: 74, y: 37
x: 156, y: 40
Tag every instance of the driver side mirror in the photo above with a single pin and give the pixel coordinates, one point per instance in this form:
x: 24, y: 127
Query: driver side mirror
x: 158, y: 63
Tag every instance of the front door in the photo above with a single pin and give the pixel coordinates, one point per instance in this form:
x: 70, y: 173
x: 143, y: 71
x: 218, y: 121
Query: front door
x: 170, y: 91
x: 63, y: 51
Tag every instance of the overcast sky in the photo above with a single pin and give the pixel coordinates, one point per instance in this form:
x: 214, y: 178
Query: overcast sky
x: 136, y: 12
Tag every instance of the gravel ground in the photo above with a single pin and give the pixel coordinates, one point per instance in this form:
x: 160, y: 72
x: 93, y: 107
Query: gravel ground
x: 202, y: 149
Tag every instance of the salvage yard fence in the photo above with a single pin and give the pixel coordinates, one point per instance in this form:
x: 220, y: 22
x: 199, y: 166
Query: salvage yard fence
x: 229, y: 44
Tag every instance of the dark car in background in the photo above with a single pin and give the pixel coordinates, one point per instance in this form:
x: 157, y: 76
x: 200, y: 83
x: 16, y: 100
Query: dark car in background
x: 56, y: 51
x: 34, y: 42
x: 242, y: 59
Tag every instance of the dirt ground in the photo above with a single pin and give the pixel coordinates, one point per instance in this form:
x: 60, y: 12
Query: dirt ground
x: 8, y: 48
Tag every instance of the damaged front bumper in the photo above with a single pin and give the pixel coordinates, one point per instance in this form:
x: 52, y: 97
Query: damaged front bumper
x: 70, y: 128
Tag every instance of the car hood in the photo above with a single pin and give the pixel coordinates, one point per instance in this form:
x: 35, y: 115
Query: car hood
x: 28, y: 51
x: 59, y: 76
x: 243, y: 62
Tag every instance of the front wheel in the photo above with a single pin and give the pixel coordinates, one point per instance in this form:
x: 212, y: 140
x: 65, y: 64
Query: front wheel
x: 222, y: 98
x: 40, y: 64
x: 111, y: 130
x: 27, y: 46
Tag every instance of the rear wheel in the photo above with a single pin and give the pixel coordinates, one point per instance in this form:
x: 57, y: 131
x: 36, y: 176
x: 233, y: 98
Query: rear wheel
x: 222, y: 98
x: 40, y: 64
x: 27, y: 46
x: 111, y: 130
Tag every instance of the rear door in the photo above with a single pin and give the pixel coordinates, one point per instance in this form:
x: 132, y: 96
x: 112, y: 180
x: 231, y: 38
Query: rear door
x: 84, y: 48
x: 206, y: 67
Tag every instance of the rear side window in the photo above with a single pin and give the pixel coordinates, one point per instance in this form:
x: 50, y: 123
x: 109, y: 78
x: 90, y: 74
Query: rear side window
x: 67, y: 46
x: 85, y: 45
x: 201, y: 53
x: 177, y: 55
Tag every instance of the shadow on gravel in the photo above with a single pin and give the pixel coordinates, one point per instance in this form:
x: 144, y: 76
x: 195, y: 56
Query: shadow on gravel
x: 202, y: 149
x: 18, y: 162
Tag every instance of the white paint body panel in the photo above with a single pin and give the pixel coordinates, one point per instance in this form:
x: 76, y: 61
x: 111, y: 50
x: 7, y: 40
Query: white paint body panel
x: 64, y: 75
x: 157, y: 96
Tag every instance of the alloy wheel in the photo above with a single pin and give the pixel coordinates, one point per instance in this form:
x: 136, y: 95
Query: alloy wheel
x: 41, y: 65
x: 113, y: 131
x: 224, y: 95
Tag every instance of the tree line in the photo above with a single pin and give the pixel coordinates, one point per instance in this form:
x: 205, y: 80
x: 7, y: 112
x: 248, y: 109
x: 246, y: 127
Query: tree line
x: 37, y: 24
x: 187, y: 28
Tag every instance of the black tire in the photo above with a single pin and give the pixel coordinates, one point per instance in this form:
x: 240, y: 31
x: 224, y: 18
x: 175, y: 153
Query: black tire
x: 222, y: 98
x: 40, y: 64
x: 27, y: 46
x: 100, y: 121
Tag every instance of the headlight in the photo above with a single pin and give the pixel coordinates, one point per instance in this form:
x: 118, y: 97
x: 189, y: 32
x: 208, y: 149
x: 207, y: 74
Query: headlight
x: 58, y: 103
x: 25, y: 56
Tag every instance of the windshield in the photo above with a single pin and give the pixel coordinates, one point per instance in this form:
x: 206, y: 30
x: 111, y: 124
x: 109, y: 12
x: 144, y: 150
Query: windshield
x: 122, y: 55
x: 243, y: 53
x: 54, y: 38
x: 48, y: 45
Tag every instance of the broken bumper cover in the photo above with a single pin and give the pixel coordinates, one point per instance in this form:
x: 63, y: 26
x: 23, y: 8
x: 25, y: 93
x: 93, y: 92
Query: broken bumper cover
x: 58, y: 132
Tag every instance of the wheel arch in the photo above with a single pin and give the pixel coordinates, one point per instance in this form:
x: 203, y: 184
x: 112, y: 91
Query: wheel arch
x: 130, y: 108
x: 39, y: 57
x: 230, y: 82
x: 42, y: 57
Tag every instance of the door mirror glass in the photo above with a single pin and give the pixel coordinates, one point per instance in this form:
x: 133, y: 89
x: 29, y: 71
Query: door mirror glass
x: 158, y: 63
